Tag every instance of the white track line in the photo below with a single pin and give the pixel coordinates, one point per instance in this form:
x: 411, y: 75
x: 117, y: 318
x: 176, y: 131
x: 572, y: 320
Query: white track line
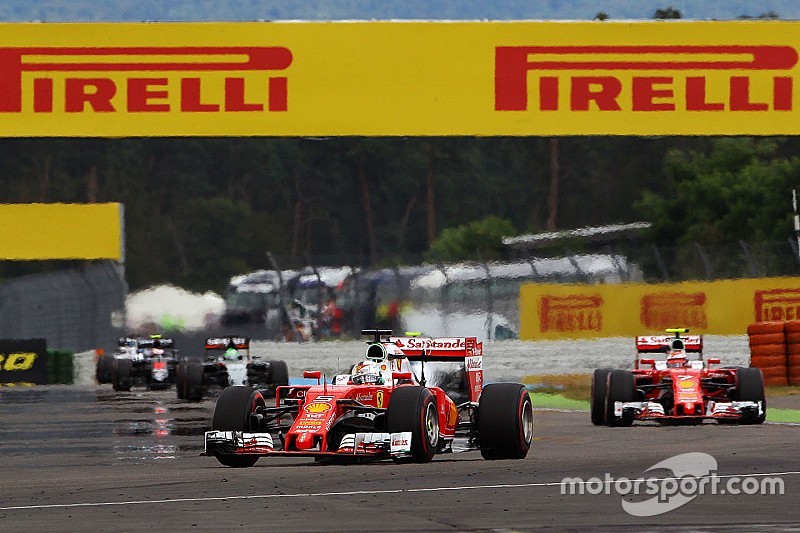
x: 350, y: 493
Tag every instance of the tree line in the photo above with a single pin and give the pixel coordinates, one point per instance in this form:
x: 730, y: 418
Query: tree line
x: 198, y: 210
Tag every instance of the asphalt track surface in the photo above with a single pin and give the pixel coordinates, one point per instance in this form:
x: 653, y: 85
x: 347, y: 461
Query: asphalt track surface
x: 88, y: 459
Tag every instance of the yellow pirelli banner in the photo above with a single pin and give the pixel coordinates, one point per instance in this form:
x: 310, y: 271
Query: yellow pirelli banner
x: 556, y: 311
x: 61, y: 231
x: 399, y: 78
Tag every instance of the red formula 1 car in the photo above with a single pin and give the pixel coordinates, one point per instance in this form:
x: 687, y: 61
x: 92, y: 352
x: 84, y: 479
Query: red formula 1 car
x: 382, y: 409
x: 684, y: 388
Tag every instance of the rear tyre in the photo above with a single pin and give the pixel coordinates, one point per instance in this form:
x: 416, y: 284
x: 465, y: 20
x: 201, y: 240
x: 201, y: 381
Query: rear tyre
x: 104, y: 369
x: 620, y: 388
x: 599, y: 388
x: 122, y: 374
x: 414, y: 409
x: 750, y: 387
x: 193, y: 381
x: 505, y: 421
x: 232, y: 413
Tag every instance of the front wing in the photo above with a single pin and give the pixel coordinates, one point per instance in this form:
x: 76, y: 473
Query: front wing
x: 714, y: 410
x: 378, y: 445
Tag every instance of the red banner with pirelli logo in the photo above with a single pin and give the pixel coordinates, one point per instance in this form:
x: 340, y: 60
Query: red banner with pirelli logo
x: 399, y: 78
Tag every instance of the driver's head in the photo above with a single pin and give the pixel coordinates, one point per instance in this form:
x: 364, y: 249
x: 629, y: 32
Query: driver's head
x: 231, y: 353
x: 367, y: 373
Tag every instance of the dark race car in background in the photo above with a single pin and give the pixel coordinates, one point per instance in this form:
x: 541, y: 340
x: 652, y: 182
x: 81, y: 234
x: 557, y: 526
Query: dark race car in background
x: 394, y: 414
x: 218, y: 370
x: 684, y: 388
x: 139, y: 360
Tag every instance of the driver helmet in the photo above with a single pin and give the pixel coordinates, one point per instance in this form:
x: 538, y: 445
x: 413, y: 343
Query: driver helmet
x: 676, y: 357
x: 231, y: 353
x: 367, y: 373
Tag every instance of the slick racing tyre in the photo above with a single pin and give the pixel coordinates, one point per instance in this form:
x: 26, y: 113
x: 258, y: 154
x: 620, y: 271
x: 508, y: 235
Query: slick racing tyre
x: 750, y: 387
x: 414, y: 409
x: 280, y: 373
x: 105, y: 367
x: 620, y: 388
x: 193, y: 381
x: 505, y: 421
x: 232, y: 413
x: 122, y: 374
x: 180, y: 382
x: 599, y: 385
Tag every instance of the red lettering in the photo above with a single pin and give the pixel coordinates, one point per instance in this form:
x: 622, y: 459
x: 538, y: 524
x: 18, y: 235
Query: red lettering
x: 602, y: 90
x: 190, y: 97
x: 234, y: 96
x: 740, y: 96
x: 97, y: 92
x: 548, y: 93
x: 696, y: 96
x: 43, y: 95
x: 140, y: 94
x: 644, y: 93
x: 511, y: 78
x: 278, y: 94
x: 782, y: 89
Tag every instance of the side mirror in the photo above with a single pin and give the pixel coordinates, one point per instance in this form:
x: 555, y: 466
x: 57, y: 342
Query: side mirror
x: 313, y: 374
x: 650, y: 362
x: 401, y: 375
x: 714, y: 360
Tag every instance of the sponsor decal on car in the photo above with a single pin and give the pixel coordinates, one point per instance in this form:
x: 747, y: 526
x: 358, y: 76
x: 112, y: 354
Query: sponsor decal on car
x: 317, y: 407
x: 379, y: 397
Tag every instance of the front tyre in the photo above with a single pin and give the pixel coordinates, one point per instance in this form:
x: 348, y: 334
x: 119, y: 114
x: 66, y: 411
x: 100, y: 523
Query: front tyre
x: 104, y: 369
x: 193, y: 380
x: 620, y: 388
x: 280, y: 373
x: 599, y: 387
x: 232, y: 413
x: 414, y: 409
x: 505, y: 421
x: 180, y: 382
x: 122, y: 374
x: 750, y: 387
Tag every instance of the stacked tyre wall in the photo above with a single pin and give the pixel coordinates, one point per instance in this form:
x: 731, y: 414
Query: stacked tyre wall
x: 769, y: 350
x: 793, y: 351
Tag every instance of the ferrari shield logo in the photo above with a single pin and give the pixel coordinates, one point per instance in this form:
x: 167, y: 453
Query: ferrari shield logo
x: 379, y: 398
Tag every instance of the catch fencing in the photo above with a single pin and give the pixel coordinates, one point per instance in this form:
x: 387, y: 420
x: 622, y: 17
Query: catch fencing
x: 77, y: 309
x: 481, y: 296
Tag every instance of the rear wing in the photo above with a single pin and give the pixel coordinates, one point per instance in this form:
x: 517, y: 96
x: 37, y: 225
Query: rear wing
x: 221, y: 343
x: 442, y: 349
x: 662, y: 343
x: 448, y: 349
x: 145, y: 342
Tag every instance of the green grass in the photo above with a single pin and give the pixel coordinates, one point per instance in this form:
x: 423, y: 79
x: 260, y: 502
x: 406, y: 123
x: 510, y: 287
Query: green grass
x: 791, y: 416
x: 548, y: 400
